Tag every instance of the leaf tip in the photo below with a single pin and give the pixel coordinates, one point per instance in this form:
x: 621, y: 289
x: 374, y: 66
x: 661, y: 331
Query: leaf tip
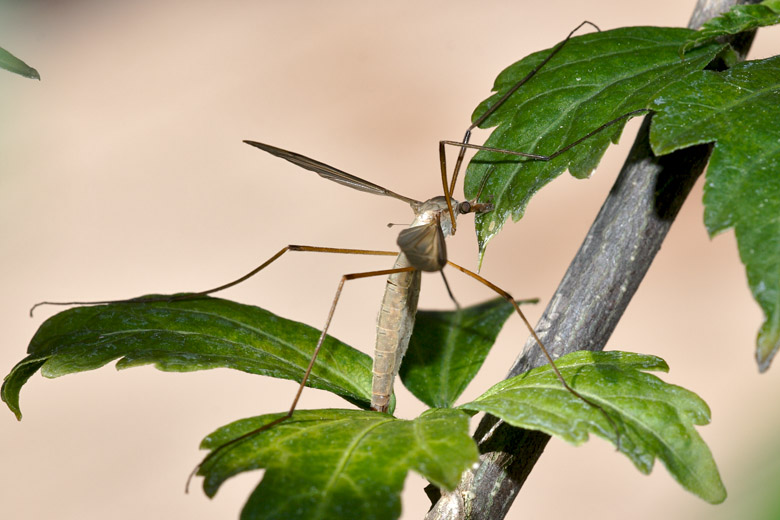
x: 767, y: 345
x: 9, y: 394
x: 13, y: 405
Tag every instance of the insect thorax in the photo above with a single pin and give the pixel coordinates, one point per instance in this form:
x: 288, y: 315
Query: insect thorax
x: 432, y: 209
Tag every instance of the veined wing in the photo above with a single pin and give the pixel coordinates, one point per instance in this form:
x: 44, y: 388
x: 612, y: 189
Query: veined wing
x: 424, y: 246
x: 329, y: 172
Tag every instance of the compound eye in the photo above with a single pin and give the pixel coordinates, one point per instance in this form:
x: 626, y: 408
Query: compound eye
x: 464, y: 207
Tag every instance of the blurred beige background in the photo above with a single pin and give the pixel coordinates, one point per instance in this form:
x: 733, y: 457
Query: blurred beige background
x: 123, y: 173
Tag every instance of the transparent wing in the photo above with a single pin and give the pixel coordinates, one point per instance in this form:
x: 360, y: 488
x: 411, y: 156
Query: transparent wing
x: 424, y: 246
x: 329, y: 172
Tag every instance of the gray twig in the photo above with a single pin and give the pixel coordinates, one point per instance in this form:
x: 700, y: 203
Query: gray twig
x: 589, y: 301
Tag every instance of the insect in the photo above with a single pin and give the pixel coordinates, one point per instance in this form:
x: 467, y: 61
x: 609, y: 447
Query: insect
x: 422, y: 249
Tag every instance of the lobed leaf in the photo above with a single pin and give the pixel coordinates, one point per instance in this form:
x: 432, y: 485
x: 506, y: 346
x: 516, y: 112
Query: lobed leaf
x: 188, y: 335
x: 655, y: 419
x: 739, y: 19
x: 447, y: 350
x: 594, y: 79
x: 738, y: 110
x: 323, y: 464
x: 11, y: 63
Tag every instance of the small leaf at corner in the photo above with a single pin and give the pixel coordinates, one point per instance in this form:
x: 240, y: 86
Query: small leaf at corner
x: 11, y: 63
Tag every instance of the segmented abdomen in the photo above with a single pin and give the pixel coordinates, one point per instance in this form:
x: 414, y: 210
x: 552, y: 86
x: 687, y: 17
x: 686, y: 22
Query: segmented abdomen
x: 393, y: 330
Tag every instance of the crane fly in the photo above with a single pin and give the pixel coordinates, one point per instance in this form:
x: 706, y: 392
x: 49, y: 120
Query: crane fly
x: 422, y: 248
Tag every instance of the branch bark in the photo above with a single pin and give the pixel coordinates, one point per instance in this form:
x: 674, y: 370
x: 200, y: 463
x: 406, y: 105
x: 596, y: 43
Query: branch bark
x: 599, y: 283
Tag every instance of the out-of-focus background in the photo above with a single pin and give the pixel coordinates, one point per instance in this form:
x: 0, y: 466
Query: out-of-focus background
x: 122, y: 172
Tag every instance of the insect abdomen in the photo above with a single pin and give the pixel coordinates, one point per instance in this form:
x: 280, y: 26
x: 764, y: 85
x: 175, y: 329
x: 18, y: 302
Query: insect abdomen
x: 393, y: 330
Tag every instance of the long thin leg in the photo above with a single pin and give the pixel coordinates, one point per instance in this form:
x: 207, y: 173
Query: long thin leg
x: 192, y: 296
x: 449, y: 290
x: 447, y: 190
x: 555, y: 154
x: 301, y: 386
x: 467, y: 136
x: 538, y: 340
x: 534, y: 156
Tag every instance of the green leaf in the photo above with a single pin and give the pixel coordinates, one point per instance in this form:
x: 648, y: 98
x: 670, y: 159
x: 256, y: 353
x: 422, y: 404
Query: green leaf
x: 593, y: 79
x: 655, y: 419
x: 188, y: 335
x: 739, y: 19
x: 339, y: 463
x: 11, y: 63
x: 739, y: 109
x: 448, y: 348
